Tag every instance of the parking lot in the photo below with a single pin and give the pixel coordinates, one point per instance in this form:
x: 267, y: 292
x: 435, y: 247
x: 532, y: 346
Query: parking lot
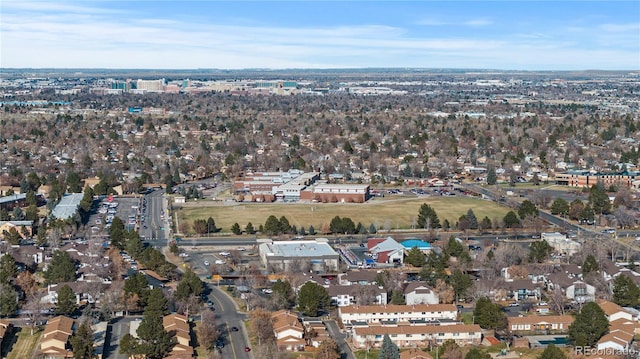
x: 125, y: 208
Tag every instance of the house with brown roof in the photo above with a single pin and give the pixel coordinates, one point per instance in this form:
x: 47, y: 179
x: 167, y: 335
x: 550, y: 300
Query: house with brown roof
x: 316, y: 333
x: 614, y: 311
x: 288, y: 330
x: 55, y: 338
x: 539, y: 324
x: 178, y: 326
x: 411, y: 336
x: 362, y: 277
x: 620, y: 336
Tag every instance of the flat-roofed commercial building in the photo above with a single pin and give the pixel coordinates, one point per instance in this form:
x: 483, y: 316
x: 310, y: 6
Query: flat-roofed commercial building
x: 281, y: 254
x: 333, y: 193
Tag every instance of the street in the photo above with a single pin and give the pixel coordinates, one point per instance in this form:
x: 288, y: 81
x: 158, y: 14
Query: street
x: 227, y: 317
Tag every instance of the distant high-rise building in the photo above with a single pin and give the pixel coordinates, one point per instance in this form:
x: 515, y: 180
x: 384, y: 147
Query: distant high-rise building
x: 151, y: 85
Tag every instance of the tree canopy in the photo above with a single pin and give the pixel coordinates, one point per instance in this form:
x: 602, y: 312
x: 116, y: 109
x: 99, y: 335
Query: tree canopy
x: 312, y: 298
x: 589, y: 326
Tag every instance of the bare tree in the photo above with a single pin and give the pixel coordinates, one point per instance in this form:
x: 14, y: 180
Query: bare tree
x: 34, y: 308
x: 557, y: 300
x: 207, y: 330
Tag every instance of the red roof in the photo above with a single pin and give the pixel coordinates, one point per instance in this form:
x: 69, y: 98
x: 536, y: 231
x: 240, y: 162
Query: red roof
x: 383, y: 257
x: 372, y: 242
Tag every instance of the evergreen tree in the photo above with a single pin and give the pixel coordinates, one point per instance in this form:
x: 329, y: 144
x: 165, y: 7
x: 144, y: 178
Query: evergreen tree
x: 249, y: 228
x: 312, y: 230
x: 283, y: 293
x: 211, y: 226
x: 61, y: 269
x: 8, y: 268
x: 8, y: 300
x: 489, y: 315
x: 388, y: 350
x: 589, y: 326
x: 312, y: 298
x: 599, y: 200
x: 397, y: 297
x: 189, y: 285
x: 461, y: 283
x: 492, y: 178
x: 117, y: 233
x: 157, y: 303
x: 560, y: 207
x: 284, y: 225
x: 82, y: 342
x: 154, y: 341
x: 527, y: 208
x: 625, y: 292
x: 235, y: 229
x: 539, y: 251
x: 415, y: 257
x: 427, y: 217
x: 272, y: 226
x: 472, y: 219
x: 66, y: 301
x: 511, y: 220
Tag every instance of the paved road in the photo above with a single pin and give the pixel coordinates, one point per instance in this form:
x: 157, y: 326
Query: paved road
x: 340, y: 338
x: 115, y: 331
x: 227, y: 317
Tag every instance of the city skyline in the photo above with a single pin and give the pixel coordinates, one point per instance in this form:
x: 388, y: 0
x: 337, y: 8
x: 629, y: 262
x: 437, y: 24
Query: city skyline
x: 321, y: 34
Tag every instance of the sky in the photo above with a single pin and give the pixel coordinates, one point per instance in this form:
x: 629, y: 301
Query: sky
x: 164, y: 34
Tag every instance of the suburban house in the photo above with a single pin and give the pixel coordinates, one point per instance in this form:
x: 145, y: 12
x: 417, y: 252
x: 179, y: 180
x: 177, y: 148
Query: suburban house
x: 523, y: 289
x: 539, y: 324
x: 288, y: 330
x: 178, y: 326
x: 316, y: 333
x: 398, y: 313
x: 420, y: 293
x: 363, y: 277
x: 55, y: 338
x: 411, y: 336
x: 386, y: 250
x: 560, y: 243
x: 343, y: 295
x: 581, y: 292
x: 614, y: 311
x: 24, y: 228
x: 620, y: 336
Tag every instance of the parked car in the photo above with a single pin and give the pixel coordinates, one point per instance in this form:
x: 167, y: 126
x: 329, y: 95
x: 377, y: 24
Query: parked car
x: 206, y: 263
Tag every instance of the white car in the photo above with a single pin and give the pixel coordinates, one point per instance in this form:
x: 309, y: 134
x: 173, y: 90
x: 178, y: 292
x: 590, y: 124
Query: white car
x: 224, y: 254
x: 183, y: 254
x: 267, y: 291
x: 206, y: 263
x: 241, y: 249
x: 219, y: 261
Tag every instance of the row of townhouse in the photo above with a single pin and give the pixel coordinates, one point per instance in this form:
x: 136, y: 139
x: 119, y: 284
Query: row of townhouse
x: 539, y: 324
x: 398, y: 313
x: 178, y: 326
x: 293, y: 335
x: 412, y: 335
x: 54, y: 343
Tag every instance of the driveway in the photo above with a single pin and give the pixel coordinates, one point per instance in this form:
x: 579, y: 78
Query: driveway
x: 340, y: 338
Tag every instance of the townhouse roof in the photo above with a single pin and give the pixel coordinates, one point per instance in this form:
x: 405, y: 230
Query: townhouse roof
x: 610, y: 308
x: 623, y: 325
x: 177, y: 323
x: 67, y: 206
x: 284, y: 319
x: 417, y: 329
x: 58, y: 324
x: 418, y: 287
x: 13, y: 198
x: 353, y: 290
x: 521, y: 284
x: 360, y: 276
x: 395, y: 308
x: 620, y: 338
x: 290, y: 340
x: 541, y: 319
x: 17, y: 223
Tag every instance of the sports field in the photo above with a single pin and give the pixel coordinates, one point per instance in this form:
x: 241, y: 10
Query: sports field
x: 383, y: 213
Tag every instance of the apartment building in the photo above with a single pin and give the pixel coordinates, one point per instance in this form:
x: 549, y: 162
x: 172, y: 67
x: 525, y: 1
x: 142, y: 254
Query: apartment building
x: 409, y: 336
x: 398, y: 313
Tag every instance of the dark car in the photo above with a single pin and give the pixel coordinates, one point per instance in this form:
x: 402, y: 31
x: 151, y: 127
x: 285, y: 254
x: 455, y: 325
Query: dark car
x: 219, y: 344
x: 247, y: 349
x: 234, y: 329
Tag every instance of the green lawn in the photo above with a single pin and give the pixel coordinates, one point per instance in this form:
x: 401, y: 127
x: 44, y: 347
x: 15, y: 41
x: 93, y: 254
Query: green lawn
x: 25, y: 346
x: 363, y: 354
x: 383, y: 213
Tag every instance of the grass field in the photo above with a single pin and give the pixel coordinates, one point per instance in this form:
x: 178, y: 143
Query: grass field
x: 383, y: 213
x: 25, y: 346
